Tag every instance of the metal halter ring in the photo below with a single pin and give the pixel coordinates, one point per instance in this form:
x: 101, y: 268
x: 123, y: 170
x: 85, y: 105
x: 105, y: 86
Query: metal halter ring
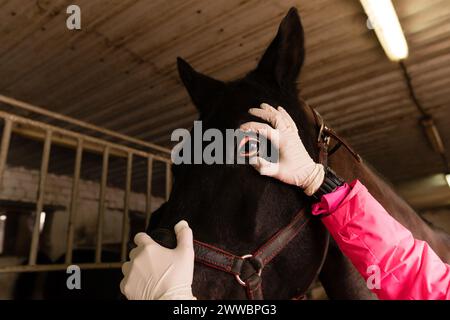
x: 238, y: 276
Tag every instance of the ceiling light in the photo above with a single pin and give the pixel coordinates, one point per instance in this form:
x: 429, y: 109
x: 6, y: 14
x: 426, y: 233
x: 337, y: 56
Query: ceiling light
x: 384, y: 20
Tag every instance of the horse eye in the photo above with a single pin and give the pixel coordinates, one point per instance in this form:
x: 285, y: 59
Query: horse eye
x: 248, y: 147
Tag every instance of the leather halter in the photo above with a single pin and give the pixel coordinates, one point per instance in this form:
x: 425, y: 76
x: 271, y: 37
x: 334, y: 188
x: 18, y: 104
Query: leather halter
x: 247, y: 269
x: 324, y: 139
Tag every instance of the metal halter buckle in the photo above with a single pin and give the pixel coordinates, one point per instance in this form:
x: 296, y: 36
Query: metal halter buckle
x: 323, y: 135
x: 238, y: 276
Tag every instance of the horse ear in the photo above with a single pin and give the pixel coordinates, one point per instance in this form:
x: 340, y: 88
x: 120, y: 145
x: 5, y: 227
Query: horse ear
x: 284, y: 58
x: 202, y: 89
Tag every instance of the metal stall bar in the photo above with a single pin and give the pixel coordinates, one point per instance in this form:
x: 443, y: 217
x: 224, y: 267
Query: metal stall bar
x: 101, y: 205
x: 52, y: 135
x: 40, y: 198
x: 168, y: 179
x: 6, y: 138
x: 92, y: 144
x: 126, y: 205
x: 45, y: 112
x: 73, y: 201
x: 148, y: 200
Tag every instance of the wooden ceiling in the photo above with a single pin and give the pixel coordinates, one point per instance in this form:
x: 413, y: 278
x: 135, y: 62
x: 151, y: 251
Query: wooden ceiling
x: 119, y: 71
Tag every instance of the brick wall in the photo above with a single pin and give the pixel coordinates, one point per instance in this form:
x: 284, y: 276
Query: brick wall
x: 21, y: 185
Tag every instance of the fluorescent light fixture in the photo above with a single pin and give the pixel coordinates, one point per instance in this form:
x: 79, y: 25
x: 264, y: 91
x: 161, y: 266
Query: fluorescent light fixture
x: 447, y: 177
x: 384, y: 20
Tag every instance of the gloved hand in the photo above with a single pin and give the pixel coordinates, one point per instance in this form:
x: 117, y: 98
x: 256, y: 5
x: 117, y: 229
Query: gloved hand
x: 294, y: 166
x: 156, y: 272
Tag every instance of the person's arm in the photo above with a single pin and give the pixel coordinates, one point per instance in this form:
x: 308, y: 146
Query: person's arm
x: 382, y: 250
x: 158, y: 273
x: 364, y: 231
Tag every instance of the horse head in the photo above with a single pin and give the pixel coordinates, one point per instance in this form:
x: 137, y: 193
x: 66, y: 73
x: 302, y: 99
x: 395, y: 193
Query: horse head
x: 233, y: 207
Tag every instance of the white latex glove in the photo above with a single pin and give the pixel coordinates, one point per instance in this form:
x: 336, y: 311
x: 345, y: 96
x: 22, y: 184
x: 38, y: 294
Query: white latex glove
x: 295, y: 166
x: 157, y: 273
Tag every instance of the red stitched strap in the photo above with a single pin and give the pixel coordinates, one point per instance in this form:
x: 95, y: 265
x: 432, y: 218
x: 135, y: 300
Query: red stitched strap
x: 230, y: 263
x: 333, y: 134
x: 281, y: 239
x: 254, y: 288
x: 217, y: 258
x: 225, y: 261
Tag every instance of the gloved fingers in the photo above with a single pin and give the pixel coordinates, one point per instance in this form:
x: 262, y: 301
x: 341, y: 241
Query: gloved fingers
x: 287, y: 117
x: 271, y: 115
x: 126, y: 268
x: 122, y: 285
x: 263, y: 129
x: 264, y: 167
x: 134, y: 252
x: 266, y: 106
x: 184, y: 235
x: 142, y: 239
x: 280, y: 115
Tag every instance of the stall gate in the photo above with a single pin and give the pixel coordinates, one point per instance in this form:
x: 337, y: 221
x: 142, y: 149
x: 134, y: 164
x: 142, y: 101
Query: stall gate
x: 51, y: 134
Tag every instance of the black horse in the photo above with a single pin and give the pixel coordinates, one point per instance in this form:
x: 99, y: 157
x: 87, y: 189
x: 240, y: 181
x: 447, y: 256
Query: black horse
x: 232, y: 206
x: 236, y: 209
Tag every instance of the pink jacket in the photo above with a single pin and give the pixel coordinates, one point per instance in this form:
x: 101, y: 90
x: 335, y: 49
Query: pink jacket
x: 394, y: 264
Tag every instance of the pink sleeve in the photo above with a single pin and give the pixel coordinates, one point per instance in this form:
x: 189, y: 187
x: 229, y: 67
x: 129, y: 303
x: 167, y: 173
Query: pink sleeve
x: 379, y: 245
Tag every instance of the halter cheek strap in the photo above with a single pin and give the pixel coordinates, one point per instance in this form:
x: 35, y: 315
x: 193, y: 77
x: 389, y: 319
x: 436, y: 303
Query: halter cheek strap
x: 324, y: 139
